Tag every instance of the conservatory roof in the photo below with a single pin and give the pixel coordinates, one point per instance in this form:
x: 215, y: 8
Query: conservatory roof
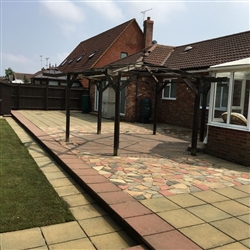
x: 243, y: 63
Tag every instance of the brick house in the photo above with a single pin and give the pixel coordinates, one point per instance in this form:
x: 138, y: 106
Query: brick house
x: 227, y: 56
x: 177, y: 100
x: 104, y: 48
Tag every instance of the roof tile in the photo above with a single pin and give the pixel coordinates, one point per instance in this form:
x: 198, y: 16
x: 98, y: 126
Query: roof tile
x: 211, y: 52
x: 88, y: 52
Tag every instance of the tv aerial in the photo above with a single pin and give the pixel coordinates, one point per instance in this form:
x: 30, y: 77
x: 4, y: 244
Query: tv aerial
x: 143, y: 13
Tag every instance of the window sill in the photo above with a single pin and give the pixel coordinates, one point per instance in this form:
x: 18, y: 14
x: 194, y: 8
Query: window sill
x: 169, y: 99
x: 229, y: 126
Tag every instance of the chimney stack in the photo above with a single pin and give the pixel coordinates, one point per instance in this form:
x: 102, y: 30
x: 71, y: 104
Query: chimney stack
x: 148, y: 32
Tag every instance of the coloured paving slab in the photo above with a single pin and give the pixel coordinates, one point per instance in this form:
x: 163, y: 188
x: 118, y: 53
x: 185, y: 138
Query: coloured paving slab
x: 159, y: 173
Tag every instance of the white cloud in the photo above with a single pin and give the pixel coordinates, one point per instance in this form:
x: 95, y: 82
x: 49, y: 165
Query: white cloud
x: 64, y: 11
x: 18, y: 62
x: 160, y: 12
x: 11, y: 58
x: 107, y: 9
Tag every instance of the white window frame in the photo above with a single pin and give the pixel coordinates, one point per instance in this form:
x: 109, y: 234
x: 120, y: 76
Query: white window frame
x: 170, y: 84
x: 217, y: 121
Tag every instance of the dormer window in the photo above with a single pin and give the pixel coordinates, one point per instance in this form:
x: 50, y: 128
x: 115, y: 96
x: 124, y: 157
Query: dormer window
x: 90, y: 56
x: 64, y: 62
x: 80, y: 58
x: 188, y: 48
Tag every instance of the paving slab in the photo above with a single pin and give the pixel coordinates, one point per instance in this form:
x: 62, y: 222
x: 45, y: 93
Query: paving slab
x: 76, y: 200
x: 99, y: 225
x: 73, y: 244
x: 246, y: 243
x: 232, y: 246
x: 210, y: 196
x: 23, y: 239
x: 170, y: 240
x: 69, y: 190
x: 245, y: 218
x: 115, y: 240
x: 231, y: 192
x: 186, y: 200
x: 244, y: 188
x: 41, y: 248
x: 208, y: 213
x: 62, y: 182
x: 233, y: 227
x: 206, y: 236
x: 63, y: 232
x: 180, y: 218
x: 232, y: 207
x: 148, y: 224
x: 87, y: 211
x: 245, y: 201
x: 159, y: 204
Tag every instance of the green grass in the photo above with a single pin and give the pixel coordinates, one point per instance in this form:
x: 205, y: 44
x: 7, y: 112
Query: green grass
x: 27, y: 199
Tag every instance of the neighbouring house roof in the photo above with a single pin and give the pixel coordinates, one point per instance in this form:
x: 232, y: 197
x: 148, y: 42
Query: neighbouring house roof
x: 19, y: 77
x: 89, y: 52
x: 201, y: 55
x: 51, y: 71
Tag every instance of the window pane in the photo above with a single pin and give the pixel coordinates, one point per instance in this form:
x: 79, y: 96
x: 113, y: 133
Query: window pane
x: 237, y: 92
x: 173, y: 90
x: 53, y: 83
x: 240, y: 100
x: 221, y: 97
x: 166, y: 91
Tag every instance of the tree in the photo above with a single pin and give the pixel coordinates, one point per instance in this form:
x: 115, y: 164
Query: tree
x: 8, y: 73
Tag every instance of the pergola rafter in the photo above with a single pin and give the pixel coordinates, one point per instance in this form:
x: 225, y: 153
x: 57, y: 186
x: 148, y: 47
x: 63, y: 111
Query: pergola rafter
x: 112, y: 74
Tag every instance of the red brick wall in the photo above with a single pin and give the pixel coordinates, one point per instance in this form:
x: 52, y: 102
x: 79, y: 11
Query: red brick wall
x: 131, y: 41
x: 177, y: 112
x: 229, y: 144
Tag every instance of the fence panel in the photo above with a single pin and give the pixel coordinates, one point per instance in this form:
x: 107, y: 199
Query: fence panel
x: 43, y: 97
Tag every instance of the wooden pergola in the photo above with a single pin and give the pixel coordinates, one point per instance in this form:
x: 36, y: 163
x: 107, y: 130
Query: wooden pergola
x: 111, y: 76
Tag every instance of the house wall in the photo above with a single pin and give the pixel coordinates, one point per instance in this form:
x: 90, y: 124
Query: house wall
x: 177, y: 112
x: 229, y: 144
x: 131, y: 41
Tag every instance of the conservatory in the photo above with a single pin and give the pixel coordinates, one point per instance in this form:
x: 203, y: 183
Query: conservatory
x: 229, y: 112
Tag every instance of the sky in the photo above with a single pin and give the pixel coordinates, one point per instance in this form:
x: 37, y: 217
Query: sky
x: 36, y: 33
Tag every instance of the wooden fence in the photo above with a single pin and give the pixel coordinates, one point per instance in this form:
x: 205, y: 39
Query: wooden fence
x: 38, y: 97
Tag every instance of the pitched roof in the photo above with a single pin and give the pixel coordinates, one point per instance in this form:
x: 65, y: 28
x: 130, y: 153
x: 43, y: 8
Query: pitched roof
x: 40, y: 74
x: 21, y: 76
x: 155, y: 54
x: 89, y: 52
x: 210, y: 52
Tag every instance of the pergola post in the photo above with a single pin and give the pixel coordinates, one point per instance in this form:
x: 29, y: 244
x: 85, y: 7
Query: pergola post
x: 196, y: 118
x: 117, y: 116
x: 204, y: 110
x: 67, y: 108
x: 99, y: 121
x: 70, y: 81
x: 156, y: 107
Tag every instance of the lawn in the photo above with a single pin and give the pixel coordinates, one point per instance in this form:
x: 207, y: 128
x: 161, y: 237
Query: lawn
x: 27, y: 199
